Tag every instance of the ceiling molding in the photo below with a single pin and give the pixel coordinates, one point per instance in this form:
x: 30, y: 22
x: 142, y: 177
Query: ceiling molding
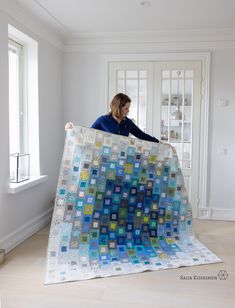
x: 149, y: 41
x: 149, y: 48
x: 21, y: 18
x: 61, y: 28
x: 220, y: 33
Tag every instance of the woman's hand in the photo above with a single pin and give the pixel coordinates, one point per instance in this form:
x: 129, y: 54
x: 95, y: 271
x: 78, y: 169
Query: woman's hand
x: 69, y: 125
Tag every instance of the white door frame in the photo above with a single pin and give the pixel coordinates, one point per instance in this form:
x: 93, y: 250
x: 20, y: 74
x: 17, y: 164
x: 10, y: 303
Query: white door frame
x: 205, y: 58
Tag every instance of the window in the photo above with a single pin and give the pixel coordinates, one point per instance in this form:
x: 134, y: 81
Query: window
x: 23, y: 107
x: 18, y: 142
x: 17, y: 104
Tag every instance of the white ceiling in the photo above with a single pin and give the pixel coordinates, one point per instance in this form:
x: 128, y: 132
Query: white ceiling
x: 77, y: 18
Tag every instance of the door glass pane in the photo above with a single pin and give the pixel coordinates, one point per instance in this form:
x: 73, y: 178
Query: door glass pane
x: 188, y: 73
x: 165, y: 108
x: 187, y: 181
x: 187, y: 164
x: 175, y: 131
x: 175, y: 73
x: 165, y: 91
x: 187, y: 132
x: 133, y: 114
x: 187, y: 151
x: 188, y: 91
x: 132, y: 92
x: 120, y: 74
x: 176, y: 116
x: 120, y: 86
x: 178, y: 148
x: 166, y: 74
x: 132, y: 88
x: 131, y: 74
x: 142, y: 103
x: 143, y: 74
x: 188, y: 110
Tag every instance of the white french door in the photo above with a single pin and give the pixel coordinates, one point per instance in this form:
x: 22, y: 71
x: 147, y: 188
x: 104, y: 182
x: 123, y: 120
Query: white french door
x: 177, y: 100
x: 166, y: 99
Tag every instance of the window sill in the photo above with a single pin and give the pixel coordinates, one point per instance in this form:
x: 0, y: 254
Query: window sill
x: 18, y: 187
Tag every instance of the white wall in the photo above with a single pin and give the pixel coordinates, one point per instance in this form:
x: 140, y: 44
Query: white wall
x: 84, y: 88
x: 22, y: 213
x: 222, y: 132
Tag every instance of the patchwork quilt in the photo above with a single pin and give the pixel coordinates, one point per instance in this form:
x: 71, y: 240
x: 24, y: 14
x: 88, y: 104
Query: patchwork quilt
x: 121, y: 207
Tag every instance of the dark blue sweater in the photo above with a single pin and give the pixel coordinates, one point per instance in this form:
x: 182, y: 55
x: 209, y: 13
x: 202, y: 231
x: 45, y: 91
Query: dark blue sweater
x: 108, y: 124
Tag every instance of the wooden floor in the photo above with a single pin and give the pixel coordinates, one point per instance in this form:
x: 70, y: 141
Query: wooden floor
x: 22, y: 278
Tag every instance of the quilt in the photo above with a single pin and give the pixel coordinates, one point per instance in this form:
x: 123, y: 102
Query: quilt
x: 121, y: 207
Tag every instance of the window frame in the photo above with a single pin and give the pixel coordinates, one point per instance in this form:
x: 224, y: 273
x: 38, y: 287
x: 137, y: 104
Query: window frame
x: 23, y: 115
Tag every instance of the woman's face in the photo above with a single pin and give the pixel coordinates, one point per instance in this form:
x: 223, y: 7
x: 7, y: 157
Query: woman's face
x: 125, y: 109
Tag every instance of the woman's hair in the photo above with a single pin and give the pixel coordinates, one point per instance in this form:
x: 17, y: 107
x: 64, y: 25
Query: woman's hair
x: 119, y: 101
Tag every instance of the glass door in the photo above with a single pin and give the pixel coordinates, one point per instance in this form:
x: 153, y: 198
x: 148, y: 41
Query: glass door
x: 166, y: 99
x: 177, y: 110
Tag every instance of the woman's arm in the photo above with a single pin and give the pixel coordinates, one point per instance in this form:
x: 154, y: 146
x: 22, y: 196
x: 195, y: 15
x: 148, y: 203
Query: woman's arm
x: 97, y: 123
x: 138, y: 133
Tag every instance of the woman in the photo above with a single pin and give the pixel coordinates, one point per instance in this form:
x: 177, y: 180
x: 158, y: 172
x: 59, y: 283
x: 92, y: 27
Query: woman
x: 117, y: 122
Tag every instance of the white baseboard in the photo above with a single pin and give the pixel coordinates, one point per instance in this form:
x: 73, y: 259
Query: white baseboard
x: 19, y: 235
x: 217, y: 214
